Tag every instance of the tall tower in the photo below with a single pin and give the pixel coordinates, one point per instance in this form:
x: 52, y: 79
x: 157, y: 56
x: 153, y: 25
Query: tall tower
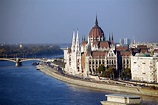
x: 73, y: 42
x: 77, y: 43
x: 96, y: 21
x: 109, y: 38
x: 112, y: 41
x: 96, y: 33
x: 75, y: 66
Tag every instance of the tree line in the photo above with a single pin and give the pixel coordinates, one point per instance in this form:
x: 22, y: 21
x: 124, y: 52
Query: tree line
x: 11, y: 51
x: 112, y: 73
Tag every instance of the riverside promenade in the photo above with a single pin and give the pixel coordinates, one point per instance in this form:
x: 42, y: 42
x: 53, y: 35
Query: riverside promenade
x: 100, y: 86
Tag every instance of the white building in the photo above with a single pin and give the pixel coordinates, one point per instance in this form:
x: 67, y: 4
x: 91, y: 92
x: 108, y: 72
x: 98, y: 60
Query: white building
x: 21, y: 45
x: 144, y: 68
x: 72, y: 57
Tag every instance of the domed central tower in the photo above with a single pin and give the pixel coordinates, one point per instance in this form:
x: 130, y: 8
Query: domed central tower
x: 96, y: 33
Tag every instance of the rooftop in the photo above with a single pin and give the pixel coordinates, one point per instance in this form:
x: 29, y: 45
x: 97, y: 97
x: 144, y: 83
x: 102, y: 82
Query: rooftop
x: 123, y: 95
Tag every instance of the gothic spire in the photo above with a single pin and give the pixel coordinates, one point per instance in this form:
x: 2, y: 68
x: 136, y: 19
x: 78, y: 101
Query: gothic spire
x: 109, y: 38
x: 112, y: 39
x: 77, y: 36
x: 84, y: 38
x: 77, y: 42
x: 96, y: 21
x: 73, y: 41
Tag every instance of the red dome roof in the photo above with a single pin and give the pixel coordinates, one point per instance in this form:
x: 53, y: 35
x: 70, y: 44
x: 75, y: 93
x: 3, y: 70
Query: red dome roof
x: 96, y: 31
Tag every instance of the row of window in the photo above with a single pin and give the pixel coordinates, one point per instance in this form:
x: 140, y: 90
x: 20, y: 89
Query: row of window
x: 111, y: 54
x: 126, y: 61
x: 111, y: 62
x: 108, y: 62
x: 97, y: 62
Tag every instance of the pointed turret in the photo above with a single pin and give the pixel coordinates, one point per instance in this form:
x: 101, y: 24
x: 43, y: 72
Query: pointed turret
x: 112, y: 37
x: 112, y: 41
x: 84, y: 38
x: 109, y: 38
x: 77, y: 43
x: 96, y: 21
x: 73, y: 42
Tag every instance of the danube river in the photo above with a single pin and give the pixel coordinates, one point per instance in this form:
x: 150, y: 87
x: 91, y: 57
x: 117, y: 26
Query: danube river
x: 27, y: 86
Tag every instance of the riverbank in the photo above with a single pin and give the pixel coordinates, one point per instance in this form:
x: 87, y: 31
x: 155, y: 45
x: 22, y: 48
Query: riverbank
x: 103, y: 86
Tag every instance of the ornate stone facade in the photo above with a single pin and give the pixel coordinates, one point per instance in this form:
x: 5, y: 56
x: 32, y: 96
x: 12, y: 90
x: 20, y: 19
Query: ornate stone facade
x: 84, y: 59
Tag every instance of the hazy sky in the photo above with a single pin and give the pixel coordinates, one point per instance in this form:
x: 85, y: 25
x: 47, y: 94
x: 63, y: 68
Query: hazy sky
x: 52, y: 21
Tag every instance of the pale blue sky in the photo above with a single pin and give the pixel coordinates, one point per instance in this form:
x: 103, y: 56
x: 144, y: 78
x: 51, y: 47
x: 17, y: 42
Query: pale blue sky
x: 52, y: 21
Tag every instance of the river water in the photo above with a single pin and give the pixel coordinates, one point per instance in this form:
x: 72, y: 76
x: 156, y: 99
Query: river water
x: 27, y: 86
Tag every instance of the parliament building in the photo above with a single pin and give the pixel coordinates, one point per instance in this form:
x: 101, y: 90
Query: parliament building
x: 83, y: 59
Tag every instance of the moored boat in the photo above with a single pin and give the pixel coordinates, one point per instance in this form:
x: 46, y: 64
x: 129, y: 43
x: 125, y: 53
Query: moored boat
x: 122, y: 99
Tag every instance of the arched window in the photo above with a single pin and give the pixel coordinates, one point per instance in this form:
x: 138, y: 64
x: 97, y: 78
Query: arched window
x: 123, y: 61
x: 127, y: 61
x: 109, y: 61
x: 103, y: 62
x: 89, y: 62
x: 114, y: 61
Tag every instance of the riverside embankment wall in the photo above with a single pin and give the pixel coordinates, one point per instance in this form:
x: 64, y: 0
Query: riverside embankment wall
x: 103, y: 86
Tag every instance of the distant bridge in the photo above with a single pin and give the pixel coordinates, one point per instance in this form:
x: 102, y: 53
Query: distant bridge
x: 19, y: 61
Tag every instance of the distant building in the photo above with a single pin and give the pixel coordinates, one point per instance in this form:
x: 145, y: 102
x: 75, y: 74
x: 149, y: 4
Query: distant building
x: 125, y: 41
x: 21, y: 45
x: 144, y: 68
x: 149, y: 45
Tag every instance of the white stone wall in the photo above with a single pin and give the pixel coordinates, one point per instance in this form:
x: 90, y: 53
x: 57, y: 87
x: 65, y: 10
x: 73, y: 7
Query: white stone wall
x: 87, y: 72
x: 65, y: 55
x: 73, y: 63
x: 157, y: 71
x: 84, y: 48
x: 116, y: 99
x: 66, y: 59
